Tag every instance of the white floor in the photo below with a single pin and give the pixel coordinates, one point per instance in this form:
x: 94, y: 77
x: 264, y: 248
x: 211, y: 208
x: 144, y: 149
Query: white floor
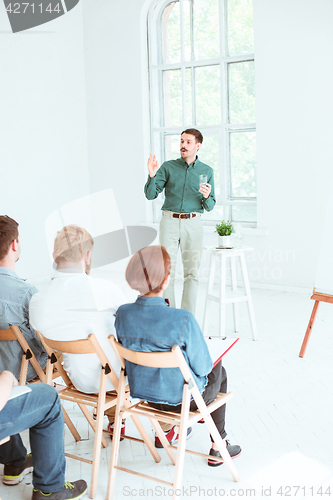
x: 281, y: 415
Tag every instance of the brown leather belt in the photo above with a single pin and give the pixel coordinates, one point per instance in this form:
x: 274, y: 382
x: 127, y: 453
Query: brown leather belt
x: 183, y: 216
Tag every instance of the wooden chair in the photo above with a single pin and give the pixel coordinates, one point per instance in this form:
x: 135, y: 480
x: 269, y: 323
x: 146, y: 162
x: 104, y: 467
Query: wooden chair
x: 14, y: 333
x: 169, y: 359
x: 101, y: 401
x: 55, y: 370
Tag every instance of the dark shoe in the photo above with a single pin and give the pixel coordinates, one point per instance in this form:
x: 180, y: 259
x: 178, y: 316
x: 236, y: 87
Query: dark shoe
x: 233, y: 449
x: 122, y: 430
x: 14, y: 475
x: 70, y: 491
x: 172, y: 436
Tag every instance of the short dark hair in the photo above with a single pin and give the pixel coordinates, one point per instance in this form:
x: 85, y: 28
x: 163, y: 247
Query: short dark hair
x: 8, y: 233
x: 148, y: 269
x: 193, y: 131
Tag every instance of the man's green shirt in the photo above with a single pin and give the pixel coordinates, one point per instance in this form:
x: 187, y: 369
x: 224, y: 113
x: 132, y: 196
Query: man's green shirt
x: 181, y: 184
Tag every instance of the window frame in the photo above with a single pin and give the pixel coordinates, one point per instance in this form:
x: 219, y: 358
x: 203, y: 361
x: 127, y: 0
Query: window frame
x: 156, y: 101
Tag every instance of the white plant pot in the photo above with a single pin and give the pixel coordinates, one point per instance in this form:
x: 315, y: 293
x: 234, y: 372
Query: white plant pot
x: 224, y: 241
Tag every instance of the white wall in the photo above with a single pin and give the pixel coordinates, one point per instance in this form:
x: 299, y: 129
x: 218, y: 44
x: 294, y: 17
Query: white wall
x: 43, y: 152
x: 43, y: 126
x: 113, y: 63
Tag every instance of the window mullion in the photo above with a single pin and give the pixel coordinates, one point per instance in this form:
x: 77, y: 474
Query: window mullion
x: 192, y: 29
x: 240, y: 58
x: 206, y: 62
x: 182, y: 55
x: 194, y: 92
x: 200, y: 62
x: 224, y: 110
x: 194, y: 98
x: 240, y: 127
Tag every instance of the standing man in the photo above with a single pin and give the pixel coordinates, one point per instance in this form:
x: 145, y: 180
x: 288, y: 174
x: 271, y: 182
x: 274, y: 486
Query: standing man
x: 185, y: 200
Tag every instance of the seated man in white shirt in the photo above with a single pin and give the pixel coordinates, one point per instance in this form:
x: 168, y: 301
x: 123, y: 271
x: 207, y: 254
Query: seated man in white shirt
x: 73, y: 305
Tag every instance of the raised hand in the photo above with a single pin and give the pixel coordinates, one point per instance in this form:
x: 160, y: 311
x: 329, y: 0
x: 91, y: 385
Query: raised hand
x: 152, y: 165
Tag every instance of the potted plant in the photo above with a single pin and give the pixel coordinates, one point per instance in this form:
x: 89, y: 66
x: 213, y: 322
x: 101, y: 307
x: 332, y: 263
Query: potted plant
x: 224, y: 230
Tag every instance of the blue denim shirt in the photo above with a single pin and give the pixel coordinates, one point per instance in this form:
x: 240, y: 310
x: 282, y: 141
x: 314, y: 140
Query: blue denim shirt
x: 150, y: 325
x: 15, y: 295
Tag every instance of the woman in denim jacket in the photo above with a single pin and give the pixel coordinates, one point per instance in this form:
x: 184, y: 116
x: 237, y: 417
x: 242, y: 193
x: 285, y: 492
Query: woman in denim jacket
x: 150, y: 325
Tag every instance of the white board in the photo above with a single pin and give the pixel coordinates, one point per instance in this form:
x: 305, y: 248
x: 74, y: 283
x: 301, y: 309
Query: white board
x: 324, y: 275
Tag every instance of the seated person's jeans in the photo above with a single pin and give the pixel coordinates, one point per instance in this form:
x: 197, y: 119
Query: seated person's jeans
x: 217, y: 382
x: 40, y: 411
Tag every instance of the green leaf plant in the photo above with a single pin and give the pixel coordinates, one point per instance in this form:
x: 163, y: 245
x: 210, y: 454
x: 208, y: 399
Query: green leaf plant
x: 225, y: 228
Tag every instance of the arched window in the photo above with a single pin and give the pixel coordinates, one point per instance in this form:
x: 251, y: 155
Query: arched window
x: 201, y: 66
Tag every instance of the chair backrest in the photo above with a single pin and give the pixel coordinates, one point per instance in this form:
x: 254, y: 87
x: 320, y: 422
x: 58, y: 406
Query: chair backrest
x: 166, y: 359
x: 81, y: 346
x: 52, y: 362
x: 14, y: 333
x: 7, y: 335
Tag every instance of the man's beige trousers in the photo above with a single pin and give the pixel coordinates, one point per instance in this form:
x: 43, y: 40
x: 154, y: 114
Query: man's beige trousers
x: 186, y: 234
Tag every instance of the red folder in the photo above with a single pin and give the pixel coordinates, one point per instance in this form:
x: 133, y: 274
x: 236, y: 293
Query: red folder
x: 218, y: 347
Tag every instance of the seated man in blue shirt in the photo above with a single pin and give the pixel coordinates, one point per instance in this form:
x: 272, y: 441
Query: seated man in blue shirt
x: 15, y: 295
x: 40, y: 411
x: 150, y: 325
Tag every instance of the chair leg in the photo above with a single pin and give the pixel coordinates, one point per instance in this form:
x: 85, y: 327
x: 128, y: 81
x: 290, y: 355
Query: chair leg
x: 98, y: 435
x: 146, y: 438
x: 116, y: 436
x: 210, y: 287
x: 163, y: 439
x: 24, y: 370
x: 215, y: 434
x: 177, y: 482
x: 91, y: 422
x: 49, y: 372
x: 221, y: 447
x: 70, y: 425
